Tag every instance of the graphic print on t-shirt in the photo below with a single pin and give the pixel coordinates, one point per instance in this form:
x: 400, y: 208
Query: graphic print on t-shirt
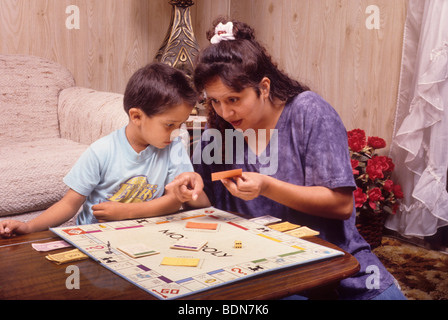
x: 136, y: 189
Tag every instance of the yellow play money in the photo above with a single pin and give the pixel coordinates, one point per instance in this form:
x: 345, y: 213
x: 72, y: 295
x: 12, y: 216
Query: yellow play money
x: 67, y: 256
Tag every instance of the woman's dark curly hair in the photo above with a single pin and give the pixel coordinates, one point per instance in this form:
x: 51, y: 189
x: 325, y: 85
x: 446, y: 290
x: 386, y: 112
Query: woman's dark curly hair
x: 241, y: 63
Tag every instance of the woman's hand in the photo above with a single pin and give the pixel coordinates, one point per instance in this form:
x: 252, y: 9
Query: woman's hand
x: 315, y: 200
x: 247, y: 187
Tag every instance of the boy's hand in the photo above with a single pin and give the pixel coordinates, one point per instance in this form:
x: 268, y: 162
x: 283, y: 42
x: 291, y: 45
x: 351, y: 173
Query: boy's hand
x: 9, y: 228
x: 186, y: 187
x: 109, y: 211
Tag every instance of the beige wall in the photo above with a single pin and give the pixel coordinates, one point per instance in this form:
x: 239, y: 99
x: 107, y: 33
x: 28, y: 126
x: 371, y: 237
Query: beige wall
x: 323, y: 43
x: 114, y: 39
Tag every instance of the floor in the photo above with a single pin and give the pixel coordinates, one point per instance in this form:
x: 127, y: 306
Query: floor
x: 421, y: 271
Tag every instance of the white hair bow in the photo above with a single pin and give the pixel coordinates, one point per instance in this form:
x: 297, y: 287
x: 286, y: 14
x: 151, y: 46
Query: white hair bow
x: 223, y: 32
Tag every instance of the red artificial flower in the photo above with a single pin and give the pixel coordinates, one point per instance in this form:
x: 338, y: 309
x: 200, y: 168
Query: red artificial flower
x: 355, y: 164
x: 390, y: 164
x: 374, y: 169
x: 376, y: 142
x: 395, y: 208
x: 374, y: 195
x: 356, y: 139
x: 373, y: 173
x: 388, y: 185
x: 360, y: 197
x: 386, y: 163
x: 397, y: 191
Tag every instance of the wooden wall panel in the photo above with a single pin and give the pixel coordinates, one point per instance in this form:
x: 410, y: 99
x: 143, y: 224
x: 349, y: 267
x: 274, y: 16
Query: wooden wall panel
x: 114, y: 39
x: 326, y: 45
x: 323, y: 43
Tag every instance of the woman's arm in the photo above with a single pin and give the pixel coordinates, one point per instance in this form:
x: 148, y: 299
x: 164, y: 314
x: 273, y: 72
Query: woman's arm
x: 315, y: 200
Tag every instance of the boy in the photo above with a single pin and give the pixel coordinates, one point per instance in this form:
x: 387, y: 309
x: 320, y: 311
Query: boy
x: 123, y: 175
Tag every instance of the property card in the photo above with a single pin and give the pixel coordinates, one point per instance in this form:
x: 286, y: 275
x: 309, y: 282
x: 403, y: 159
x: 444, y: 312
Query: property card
x: 188, y: 244
x: 137, y: 250
x: 226, y: 174
x: 180, y: 262
x: 302, y: 232
x: 265, y: 220
x: 283, y: 226
x: 201, y: 225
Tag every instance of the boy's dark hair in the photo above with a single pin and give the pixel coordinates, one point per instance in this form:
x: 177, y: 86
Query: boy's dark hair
x: 156, y: 88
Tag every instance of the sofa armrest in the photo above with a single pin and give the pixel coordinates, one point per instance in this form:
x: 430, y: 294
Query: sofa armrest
x: 85, y: 115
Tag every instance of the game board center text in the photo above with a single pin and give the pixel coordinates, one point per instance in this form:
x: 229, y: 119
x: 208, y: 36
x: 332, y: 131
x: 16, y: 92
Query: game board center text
x: 213, y: 251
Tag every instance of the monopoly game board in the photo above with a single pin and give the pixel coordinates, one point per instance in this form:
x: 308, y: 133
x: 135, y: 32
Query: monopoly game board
x: 191, y: 251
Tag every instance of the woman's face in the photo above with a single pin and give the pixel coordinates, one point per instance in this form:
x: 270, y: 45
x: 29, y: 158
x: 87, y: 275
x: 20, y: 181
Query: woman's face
x: 243, y: 110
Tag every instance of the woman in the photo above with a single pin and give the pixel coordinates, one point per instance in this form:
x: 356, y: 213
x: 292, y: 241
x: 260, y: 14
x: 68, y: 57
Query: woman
x: 291, y: 146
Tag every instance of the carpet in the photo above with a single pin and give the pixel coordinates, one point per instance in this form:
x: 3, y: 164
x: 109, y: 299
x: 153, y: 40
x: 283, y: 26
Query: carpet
x: 421, y: 273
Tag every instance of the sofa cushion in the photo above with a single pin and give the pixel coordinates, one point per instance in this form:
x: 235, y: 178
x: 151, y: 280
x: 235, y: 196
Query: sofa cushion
x: 29, y: 97
x: 31, y: 173
x: 85, y: 115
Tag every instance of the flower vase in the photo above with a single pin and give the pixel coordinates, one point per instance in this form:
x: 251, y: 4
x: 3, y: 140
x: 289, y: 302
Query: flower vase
x: 180, y: 47
x: 370, y: 226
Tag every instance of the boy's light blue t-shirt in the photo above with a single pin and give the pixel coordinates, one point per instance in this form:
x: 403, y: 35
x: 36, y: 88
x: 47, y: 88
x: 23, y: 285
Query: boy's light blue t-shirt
x: 111, y: 170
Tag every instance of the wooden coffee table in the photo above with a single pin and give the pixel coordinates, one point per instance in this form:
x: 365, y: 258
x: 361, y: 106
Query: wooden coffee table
x: 27, y: 274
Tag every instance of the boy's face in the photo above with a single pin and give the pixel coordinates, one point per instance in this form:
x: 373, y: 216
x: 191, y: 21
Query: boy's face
x: 157, y: 130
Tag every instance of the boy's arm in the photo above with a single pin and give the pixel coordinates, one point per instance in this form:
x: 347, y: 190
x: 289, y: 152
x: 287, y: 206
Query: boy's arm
x: 113, y: 211
x: 58, y: 213
x: 186, y: 189
x: 166, y: 204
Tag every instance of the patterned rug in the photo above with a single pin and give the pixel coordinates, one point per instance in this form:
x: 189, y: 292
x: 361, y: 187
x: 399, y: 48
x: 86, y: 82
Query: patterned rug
x: 421, y: 273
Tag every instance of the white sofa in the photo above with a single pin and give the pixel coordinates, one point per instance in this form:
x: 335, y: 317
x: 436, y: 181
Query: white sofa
x: 46, y: 122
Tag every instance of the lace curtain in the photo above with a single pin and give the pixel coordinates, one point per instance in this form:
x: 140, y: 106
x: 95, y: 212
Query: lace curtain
x: 419, y: 146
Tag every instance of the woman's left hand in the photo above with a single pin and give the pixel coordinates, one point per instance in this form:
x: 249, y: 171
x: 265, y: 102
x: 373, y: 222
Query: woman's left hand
x: 247, y: 187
